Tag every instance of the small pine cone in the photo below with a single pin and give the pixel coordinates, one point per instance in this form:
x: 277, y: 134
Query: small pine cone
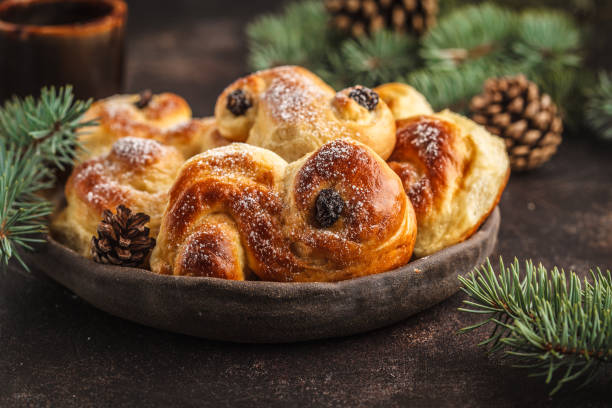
x: 122, y: 239
x: 514, y: 108
x: 358, y: 17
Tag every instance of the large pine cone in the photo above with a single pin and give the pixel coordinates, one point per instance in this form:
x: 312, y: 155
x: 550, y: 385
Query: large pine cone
x: 358, y: 17
x: 514, y: 108
x: 122, y: 239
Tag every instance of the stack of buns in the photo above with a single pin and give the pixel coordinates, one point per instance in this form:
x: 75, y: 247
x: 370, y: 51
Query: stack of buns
x: 290, y: 181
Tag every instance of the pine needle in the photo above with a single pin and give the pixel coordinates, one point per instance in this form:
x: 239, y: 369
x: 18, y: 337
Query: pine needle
x: 469, y: 34
x: 35, y: 137
x: 299, y: 36
x: 448, y: 65
x: 560, y: 328
x: 599, y: 106
x: 371, y: 61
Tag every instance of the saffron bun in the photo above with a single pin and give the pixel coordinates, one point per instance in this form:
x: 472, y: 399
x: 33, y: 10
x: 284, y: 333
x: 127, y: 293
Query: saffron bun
x: 292, y: 112
x: 454, y: 172
x: 166, y: 118
x: 403, y: 100
x: 241, y: 212
x: 136, y: 172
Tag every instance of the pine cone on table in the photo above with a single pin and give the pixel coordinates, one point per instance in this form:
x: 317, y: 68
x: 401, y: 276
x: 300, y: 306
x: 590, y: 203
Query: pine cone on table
x: 514, y: 108
x: 122, y: 239
x: 358, y: 17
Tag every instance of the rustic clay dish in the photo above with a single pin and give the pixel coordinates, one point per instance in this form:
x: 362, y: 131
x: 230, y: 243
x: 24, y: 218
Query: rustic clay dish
x: 267, y: 312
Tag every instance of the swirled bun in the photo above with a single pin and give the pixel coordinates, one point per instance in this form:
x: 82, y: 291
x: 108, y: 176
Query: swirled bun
x: 337, y: 213
x: 454, y: 173
x: 403, y: 100
x: 136, y: 172
x: 292, y: 112
x: 166, y: 118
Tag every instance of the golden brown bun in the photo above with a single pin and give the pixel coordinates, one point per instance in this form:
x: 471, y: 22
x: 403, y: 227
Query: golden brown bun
x: 293, y: 112
x: 454, y: 173
x: 167, y: 119
x: 403, y: 100
x: 210, y: 137
x: 136, y: 172
x: 240, y: 209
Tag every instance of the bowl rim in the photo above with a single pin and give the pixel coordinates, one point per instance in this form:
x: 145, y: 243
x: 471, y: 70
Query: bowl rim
x: 416, y: 266
x: 267, y: 312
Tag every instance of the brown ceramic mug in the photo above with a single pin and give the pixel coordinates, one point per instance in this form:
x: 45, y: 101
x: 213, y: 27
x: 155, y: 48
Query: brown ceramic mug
x: 58, y: 42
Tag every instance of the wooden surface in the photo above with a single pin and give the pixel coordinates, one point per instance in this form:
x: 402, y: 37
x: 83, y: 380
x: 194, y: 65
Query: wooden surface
x: 55, y: 350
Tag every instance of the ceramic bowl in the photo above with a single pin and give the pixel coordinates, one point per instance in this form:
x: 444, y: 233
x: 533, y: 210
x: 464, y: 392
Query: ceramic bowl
x: 267, y: 312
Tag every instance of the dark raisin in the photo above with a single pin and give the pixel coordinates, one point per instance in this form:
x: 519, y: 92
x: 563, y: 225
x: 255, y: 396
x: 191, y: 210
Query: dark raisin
x: 145, y: 99
x: 238, y: 102
x: 365, y: 97
x: 328, y: 207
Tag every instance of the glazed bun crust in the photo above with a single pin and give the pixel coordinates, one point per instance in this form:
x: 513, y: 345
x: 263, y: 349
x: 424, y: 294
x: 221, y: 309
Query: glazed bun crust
x: 242, y: 210
x: 454, y: 173
x: 292, y: 112
x: 166, y: 119
x: 136, y: 172
x: 403, y: 100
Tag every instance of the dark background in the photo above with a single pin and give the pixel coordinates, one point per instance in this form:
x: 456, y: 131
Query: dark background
x: 55, y: 350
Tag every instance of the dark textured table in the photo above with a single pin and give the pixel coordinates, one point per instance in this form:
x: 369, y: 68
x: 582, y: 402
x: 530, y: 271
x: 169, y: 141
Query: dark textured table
x: 55, y: 350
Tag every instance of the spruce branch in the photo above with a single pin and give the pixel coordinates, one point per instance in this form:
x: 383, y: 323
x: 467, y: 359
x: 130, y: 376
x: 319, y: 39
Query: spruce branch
x: 454, y: 88
x: 473, y: 43
x: 48, y: 123
x: 599, y: 106
x: 448, y: 65
x: 383, y: 57
x: 560, y: 328
x: 298, y: 36
x: 35, y: 137
x: 469, y: 34
x: 548, y: 49
x: 547, y: 40
x: 22, y: 211
x: 302, y: 36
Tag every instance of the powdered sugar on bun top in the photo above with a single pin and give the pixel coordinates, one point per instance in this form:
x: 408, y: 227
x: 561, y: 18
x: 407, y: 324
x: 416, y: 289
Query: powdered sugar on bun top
x: 137, y: 151
x: 267, y: 210
x: 293, y: 112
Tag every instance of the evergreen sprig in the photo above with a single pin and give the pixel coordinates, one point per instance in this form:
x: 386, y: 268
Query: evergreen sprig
x: 473, y: 33
x: 453, y: 88
x: 36, y: 136
x: 48, y: 123
x: 547, y: 39
x: 373, y: 60
x: 599, y: 106
x: 299, y: 37
x: 448, y: 65
x: 560, y: 328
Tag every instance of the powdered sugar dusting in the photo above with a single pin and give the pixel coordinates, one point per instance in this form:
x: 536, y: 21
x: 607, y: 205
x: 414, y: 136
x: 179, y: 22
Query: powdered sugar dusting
x: 355, y: 174
x: 104, y: 181
x: 208, y: 253
x: 165, y: 120
x: 137, y: 151
x: 101, y: 190
x: 427, y: 139
x: 325, y: 162
x: 198, y: 254
x: 257, y: 209
x: 297, y: 99
x: 282, y: 242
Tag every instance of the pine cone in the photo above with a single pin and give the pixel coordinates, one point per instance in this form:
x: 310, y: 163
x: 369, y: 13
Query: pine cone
x: 514, y: 108
x: 358, y: 17
x: 122, y: 239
